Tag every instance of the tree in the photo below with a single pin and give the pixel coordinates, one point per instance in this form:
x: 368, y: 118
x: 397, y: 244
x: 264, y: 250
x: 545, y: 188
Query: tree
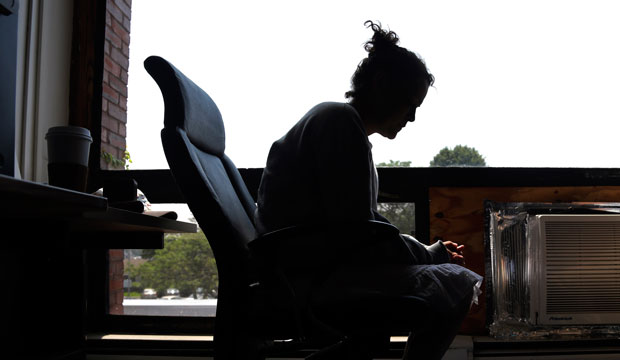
x: 401, y: 215
x: 461, y: 155
x: 396, y: 163
x: 186, y: 262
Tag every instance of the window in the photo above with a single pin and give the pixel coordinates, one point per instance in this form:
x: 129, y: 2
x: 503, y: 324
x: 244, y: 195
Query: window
x: 507, y: 92
x: 521, y: 82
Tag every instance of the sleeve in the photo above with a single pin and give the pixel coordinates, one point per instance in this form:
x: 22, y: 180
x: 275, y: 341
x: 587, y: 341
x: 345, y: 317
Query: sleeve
x: 344, y: 170
x: 426, y: 254
x: 438, y: 253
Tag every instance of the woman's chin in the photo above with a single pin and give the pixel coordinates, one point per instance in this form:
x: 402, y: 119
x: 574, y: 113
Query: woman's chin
x: 391, y: 136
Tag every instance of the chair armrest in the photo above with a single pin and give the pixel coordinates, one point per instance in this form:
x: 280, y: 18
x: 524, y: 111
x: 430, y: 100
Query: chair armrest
x: 371, y: 227
x: 315, y: 246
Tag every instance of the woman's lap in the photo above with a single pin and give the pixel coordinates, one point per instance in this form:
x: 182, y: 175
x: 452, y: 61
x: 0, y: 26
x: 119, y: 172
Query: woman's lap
x: 443, y: 286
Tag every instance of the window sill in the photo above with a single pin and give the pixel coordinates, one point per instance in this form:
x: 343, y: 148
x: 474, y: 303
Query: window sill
x: 149, y: 344
x: 149, y: 337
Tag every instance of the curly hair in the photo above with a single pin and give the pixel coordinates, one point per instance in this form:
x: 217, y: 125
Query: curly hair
x: 403, y: 70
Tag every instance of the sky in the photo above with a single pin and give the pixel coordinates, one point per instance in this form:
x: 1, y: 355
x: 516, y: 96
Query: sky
x: 526, y: 83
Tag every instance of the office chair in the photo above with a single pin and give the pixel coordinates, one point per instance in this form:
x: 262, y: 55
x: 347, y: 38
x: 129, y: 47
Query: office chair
x: 266, y: 284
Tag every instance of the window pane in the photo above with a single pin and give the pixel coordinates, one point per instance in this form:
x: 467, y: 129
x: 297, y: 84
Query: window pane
x: 401, y: 215
x: 519, y: 95
x: 179, y: 280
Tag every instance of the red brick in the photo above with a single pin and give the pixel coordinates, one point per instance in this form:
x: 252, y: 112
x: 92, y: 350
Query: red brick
x: 105, y: 147
x: 108, y: 18
x: 117, y: 141
x: 127, y: 23
x: 118, y: 85
x: 106, y: 47
x: 115, y: 306
x: 116, y: 284
x: 122, y: 102
x: 108, y: 148
x: 112, y: 266
x: 121, y: 59
x: 116, y: 264
x: 122, y: 130
x: 110, y: 94
x: 111, y: 66
x: 116, y: 254
x: 109, y: 123
x: 117, y: 113
x: 119, y: 29
x: 104, y: 105
x: 116, y: 310
x: 112, y: 271
x: 119, y: 296
x: 125, y: 49
x: 126, y: 9
x: 113, y: 38
x: 114, y: 10
x: 116, y: 270
x: 124, y: 76
x: 104, y: 134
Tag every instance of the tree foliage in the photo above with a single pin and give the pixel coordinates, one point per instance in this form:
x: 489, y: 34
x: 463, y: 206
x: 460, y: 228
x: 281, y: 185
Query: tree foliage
x: 461, y: 155
x: 186, y: 262
x: 395, y: 163
x: 401, y: 215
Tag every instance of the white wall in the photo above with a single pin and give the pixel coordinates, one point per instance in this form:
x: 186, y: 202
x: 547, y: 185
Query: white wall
x: 43, y: 78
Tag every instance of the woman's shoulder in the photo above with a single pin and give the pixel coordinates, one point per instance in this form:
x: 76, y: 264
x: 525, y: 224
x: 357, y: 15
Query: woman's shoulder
x: 335, y: 108
x: 334, y: 115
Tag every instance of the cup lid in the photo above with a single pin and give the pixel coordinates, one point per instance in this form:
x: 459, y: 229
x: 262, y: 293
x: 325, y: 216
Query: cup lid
x: 69, y: 130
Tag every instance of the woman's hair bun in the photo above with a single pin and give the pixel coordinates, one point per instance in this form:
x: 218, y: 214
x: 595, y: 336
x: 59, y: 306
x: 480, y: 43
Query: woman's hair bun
x: 382, y: 40
x: 403, y: 72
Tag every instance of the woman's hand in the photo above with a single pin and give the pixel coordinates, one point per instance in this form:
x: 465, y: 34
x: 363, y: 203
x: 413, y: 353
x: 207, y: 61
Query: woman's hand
x: 456, y: 252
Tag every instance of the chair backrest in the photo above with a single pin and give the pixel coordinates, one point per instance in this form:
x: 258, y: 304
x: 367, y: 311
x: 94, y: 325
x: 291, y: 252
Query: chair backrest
x: 193, y: 138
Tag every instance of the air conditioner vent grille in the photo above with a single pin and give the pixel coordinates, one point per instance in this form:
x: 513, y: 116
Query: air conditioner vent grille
x: 582, y: 266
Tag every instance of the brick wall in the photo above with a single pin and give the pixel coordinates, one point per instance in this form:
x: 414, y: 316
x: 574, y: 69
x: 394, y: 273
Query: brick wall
x: 115, y: 280
x: 114, y: 117
x: 116, y: 64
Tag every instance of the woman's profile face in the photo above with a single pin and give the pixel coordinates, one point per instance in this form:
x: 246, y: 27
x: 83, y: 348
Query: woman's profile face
x: 398, y: 119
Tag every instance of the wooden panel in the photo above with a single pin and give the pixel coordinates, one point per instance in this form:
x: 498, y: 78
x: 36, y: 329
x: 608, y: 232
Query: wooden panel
x: 457, y: 214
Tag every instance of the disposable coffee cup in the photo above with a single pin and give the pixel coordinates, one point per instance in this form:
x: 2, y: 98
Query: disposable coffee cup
x: 68, y: 148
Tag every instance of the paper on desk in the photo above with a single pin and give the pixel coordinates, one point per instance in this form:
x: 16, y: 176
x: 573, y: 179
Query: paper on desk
x: 162, y: 213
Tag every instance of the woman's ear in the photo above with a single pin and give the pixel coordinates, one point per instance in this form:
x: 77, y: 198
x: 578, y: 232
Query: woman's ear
x: 382, y: 93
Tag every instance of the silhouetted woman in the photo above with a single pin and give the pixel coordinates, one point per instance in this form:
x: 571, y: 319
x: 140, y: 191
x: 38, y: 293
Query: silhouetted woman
x: 322, y: 170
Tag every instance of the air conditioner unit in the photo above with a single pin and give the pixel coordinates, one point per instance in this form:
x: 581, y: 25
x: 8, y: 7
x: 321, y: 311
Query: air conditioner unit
x: 552, y: 269
x: 574, y: 266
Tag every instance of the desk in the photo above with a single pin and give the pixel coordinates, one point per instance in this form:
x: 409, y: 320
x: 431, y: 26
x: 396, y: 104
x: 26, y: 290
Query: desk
x: 86, y: 219
x: 47, y: 232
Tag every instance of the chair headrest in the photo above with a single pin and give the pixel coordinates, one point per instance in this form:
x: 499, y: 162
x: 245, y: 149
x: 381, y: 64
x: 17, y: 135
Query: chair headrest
x: 188, y: 107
